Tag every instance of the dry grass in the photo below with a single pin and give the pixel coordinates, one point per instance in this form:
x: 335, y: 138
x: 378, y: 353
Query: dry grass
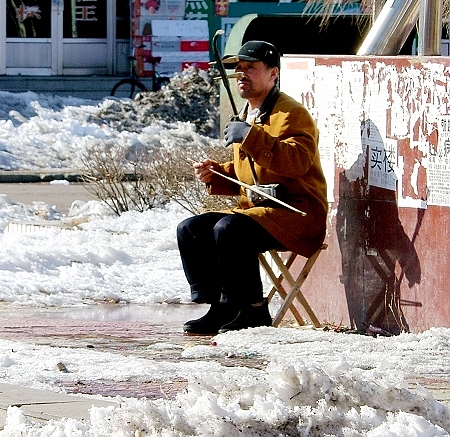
x: 329, y: 8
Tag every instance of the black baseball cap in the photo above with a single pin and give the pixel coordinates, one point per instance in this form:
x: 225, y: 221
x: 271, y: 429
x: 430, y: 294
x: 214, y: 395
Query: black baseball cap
x: 253, y: 51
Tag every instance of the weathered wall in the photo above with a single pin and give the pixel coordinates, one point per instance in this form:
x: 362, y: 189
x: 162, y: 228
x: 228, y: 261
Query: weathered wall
x: 385, y: 147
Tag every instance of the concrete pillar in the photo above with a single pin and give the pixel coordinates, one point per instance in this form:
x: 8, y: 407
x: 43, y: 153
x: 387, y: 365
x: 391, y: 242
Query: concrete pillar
x: 430, y: 28
x: 391, y: 28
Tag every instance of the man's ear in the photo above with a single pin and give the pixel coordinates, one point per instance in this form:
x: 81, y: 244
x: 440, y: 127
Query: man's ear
x: 275, y: 74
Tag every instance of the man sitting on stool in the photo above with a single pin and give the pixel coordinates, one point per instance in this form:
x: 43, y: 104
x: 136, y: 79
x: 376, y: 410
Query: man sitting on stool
x: 274, y: 142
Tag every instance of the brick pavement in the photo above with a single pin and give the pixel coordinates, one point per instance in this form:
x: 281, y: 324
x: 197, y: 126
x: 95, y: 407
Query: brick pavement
x: 127, y: 337
x: 130, y: 335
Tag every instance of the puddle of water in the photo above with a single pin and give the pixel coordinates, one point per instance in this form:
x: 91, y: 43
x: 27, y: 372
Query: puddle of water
x: 155, y: 313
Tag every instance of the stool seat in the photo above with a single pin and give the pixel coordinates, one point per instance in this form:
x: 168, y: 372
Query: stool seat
x: 294, y: 292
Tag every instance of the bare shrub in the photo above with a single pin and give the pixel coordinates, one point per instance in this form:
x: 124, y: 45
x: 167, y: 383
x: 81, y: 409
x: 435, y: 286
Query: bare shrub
x: 175, y: 177
x: 118, y: 181
x: 139, y: 178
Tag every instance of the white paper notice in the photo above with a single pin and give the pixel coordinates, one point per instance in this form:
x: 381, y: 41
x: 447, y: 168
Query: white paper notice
x: 382, y: 157
x: 438, y: 174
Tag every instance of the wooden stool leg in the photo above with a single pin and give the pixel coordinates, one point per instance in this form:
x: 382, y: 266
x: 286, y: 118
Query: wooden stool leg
x: 277, y: 284
x: 269, y: 271
x: 296, y: 293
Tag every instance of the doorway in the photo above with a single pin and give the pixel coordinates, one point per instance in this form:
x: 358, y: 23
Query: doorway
x: 59, y: 37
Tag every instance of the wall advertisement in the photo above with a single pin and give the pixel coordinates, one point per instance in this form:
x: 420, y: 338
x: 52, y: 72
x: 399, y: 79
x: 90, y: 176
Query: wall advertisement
x: 169, y: 35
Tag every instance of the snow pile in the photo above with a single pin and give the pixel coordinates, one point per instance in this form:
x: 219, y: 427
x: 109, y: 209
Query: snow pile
x: 301, y: 393
x: 287, y: 400
x: 132, y: 258
x: 190, y: 97
x: 51, y: 132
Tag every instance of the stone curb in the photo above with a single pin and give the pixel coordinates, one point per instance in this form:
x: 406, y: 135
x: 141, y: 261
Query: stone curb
x: 44, y: 405
x: 15, y: 177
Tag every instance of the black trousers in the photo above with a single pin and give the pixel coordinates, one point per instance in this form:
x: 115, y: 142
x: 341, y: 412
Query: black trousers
x: 219, y: 253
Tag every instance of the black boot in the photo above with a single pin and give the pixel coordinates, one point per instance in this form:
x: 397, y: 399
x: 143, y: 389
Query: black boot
x: 216, y: 317
x: 250, y: 317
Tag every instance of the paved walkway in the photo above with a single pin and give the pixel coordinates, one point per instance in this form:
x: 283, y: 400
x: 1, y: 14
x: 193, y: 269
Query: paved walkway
x: 42, y: 405
x: 109, y: 327
x: 58, y: 195
x: 114, y: 328
x: 103, y: 327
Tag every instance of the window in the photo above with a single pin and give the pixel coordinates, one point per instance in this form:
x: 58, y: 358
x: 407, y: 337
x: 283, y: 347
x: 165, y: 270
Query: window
x: 122, y: 19
x: 28, y: 19
x: 84, y: 19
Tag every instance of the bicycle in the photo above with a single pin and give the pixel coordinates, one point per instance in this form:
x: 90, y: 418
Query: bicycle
x: 133, y: 84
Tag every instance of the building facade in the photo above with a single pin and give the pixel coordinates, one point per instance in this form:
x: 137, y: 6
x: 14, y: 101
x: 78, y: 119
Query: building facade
x: 95, y: 37
x: 83, y: 37
x: 63, y: 37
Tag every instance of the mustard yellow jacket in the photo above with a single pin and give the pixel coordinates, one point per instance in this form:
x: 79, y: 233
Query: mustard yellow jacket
x: 284, y: 146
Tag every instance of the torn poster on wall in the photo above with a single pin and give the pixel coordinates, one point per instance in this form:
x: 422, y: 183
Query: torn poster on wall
x: 384, y: 119
x: 438, y: 174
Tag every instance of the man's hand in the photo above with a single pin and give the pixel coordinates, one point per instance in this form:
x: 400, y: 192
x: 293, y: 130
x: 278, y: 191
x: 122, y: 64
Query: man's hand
x: 202, y: 170
x: 235, y: 132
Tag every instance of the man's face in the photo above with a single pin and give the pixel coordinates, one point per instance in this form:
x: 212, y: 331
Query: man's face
x: 257, y: 81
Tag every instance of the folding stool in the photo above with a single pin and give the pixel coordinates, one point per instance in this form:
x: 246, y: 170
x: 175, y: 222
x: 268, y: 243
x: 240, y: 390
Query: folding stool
x: 294, y: 284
